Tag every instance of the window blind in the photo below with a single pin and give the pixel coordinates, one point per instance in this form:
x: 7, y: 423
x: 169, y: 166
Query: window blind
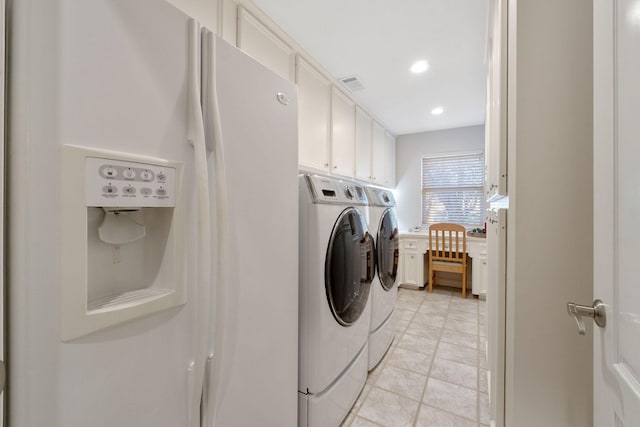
x: 453, y: 189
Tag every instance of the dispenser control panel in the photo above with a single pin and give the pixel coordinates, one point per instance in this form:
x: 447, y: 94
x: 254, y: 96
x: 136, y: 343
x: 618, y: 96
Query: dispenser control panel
x: 117, y: 183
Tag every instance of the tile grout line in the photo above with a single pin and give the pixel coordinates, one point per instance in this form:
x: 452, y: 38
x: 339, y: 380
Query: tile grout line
x: 433, y: 358
x: 382, y: 365
x: 477, y: 418
x: 415, y: 309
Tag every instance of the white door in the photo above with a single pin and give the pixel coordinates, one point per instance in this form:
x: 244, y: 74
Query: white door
x: 616, y: 211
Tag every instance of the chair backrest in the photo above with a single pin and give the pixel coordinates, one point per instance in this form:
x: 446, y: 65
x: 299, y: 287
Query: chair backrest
x: 448, y: 242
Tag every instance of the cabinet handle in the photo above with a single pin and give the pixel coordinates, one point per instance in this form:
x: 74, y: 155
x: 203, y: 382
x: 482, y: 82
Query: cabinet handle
x: 326, y: 165
x: 335, y: 167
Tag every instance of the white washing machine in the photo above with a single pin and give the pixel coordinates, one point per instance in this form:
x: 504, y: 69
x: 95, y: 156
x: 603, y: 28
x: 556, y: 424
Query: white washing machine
x: 384, y: 225
x: 337, y: 266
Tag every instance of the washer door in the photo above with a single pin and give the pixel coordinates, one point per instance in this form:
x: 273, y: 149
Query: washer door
x: 349, y: 267
x: 388, y: 243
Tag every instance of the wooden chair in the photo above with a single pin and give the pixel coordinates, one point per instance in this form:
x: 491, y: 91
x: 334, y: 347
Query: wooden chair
x: 448, y: 252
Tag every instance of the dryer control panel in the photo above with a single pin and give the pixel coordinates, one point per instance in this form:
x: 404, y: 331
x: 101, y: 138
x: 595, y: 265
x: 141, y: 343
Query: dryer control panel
x: 380, y: 197
x: 336, y: 191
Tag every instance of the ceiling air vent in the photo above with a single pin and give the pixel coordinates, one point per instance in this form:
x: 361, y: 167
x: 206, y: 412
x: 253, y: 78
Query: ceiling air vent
x: 353, y: 83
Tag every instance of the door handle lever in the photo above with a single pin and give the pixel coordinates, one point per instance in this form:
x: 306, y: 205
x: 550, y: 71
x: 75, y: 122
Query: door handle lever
x: 597, y: 312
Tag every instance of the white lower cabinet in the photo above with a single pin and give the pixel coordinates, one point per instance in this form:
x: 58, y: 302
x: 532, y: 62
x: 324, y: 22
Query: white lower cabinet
x: 477, y: 250
x: 480, y: 273
x: 410, y: 268
x: 411, y: 262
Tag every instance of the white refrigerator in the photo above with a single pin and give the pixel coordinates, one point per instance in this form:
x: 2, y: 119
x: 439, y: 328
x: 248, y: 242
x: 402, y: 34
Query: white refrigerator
x: 151, y: 222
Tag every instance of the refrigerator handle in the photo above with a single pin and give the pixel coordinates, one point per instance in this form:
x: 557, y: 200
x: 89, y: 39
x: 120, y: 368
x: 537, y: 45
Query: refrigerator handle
x: 218, y: 377
x: 197, y: 139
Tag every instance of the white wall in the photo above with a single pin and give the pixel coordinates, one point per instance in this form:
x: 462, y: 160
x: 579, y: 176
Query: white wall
x: 409, y: 152
x: 550, y: 238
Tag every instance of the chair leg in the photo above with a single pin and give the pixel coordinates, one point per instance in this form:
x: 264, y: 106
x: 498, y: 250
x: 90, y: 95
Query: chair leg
x: 464, y: 283
x: 431, y: 278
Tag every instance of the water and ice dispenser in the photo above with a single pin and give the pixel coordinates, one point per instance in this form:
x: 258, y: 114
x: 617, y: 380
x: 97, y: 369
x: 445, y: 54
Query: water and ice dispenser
x: 123, y: 238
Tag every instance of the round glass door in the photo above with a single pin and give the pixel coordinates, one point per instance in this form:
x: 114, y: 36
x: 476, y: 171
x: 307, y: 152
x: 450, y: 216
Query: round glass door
x: 349, y: 266
x: 388, y: 243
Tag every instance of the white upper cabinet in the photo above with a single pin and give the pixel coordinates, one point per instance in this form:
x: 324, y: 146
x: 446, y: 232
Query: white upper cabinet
x: 335, y: 135
x: 262, y: 44
x: 314, y: 109
x: 364, y: 141
x: 390, y: 161
x: 228, y: 24
x: 379, y: 154
x: 343, y: 148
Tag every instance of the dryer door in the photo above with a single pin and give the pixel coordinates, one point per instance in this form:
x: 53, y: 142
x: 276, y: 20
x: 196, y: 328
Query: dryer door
x: 388, y: 242
x: 349, y: 266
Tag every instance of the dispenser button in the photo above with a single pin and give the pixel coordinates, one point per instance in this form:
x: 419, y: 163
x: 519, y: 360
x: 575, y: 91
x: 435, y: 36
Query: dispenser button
x: 162, y: 176
x: 129, y: 174
x: 161, y: 191
x: 146, y: 191
x: 146, y: 175
x: 129, y: 190
x: 108, y: 172
x: 110, y: 189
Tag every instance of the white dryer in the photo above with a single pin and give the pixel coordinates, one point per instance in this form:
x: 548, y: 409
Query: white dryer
x: 337, y: 266
x: 384, y: 225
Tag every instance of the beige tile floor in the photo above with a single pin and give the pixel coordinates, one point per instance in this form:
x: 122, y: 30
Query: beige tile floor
x: 434, y: 374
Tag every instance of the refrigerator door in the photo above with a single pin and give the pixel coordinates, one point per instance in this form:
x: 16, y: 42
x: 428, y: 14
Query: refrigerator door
x: 251, y: 119
x: 109, y: 75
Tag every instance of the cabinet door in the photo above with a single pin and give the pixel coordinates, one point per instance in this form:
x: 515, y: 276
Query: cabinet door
x: 390, y: 161
x: 314, y: 108
x: 410, y: 270
x: 378, y: 156
x: 228, y: 24
x: 342, y: 134
x: 496, y: 115
x: 364, y: 140
x: 262, y: 44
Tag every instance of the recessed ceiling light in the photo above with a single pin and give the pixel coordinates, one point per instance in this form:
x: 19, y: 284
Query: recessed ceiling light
x: 419, y: 67
x: 437, y: 111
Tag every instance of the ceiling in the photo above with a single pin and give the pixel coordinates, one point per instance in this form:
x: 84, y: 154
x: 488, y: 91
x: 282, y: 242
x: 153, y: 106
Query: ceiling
x: 378, y: 40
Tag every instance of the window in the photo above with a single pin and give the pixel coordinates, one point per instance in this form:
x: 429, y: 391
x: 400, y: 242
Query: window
x: 453, y: 189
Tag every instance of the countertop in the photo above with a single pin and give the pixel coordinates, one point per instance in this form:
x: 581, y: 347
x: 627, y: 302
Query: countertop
x: 424, y: 234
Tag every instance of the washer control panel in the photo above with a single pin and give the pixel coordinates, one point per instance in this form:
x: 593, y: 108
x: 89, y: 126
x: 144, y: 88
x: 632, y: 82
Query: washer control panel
x: 117, y: 183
